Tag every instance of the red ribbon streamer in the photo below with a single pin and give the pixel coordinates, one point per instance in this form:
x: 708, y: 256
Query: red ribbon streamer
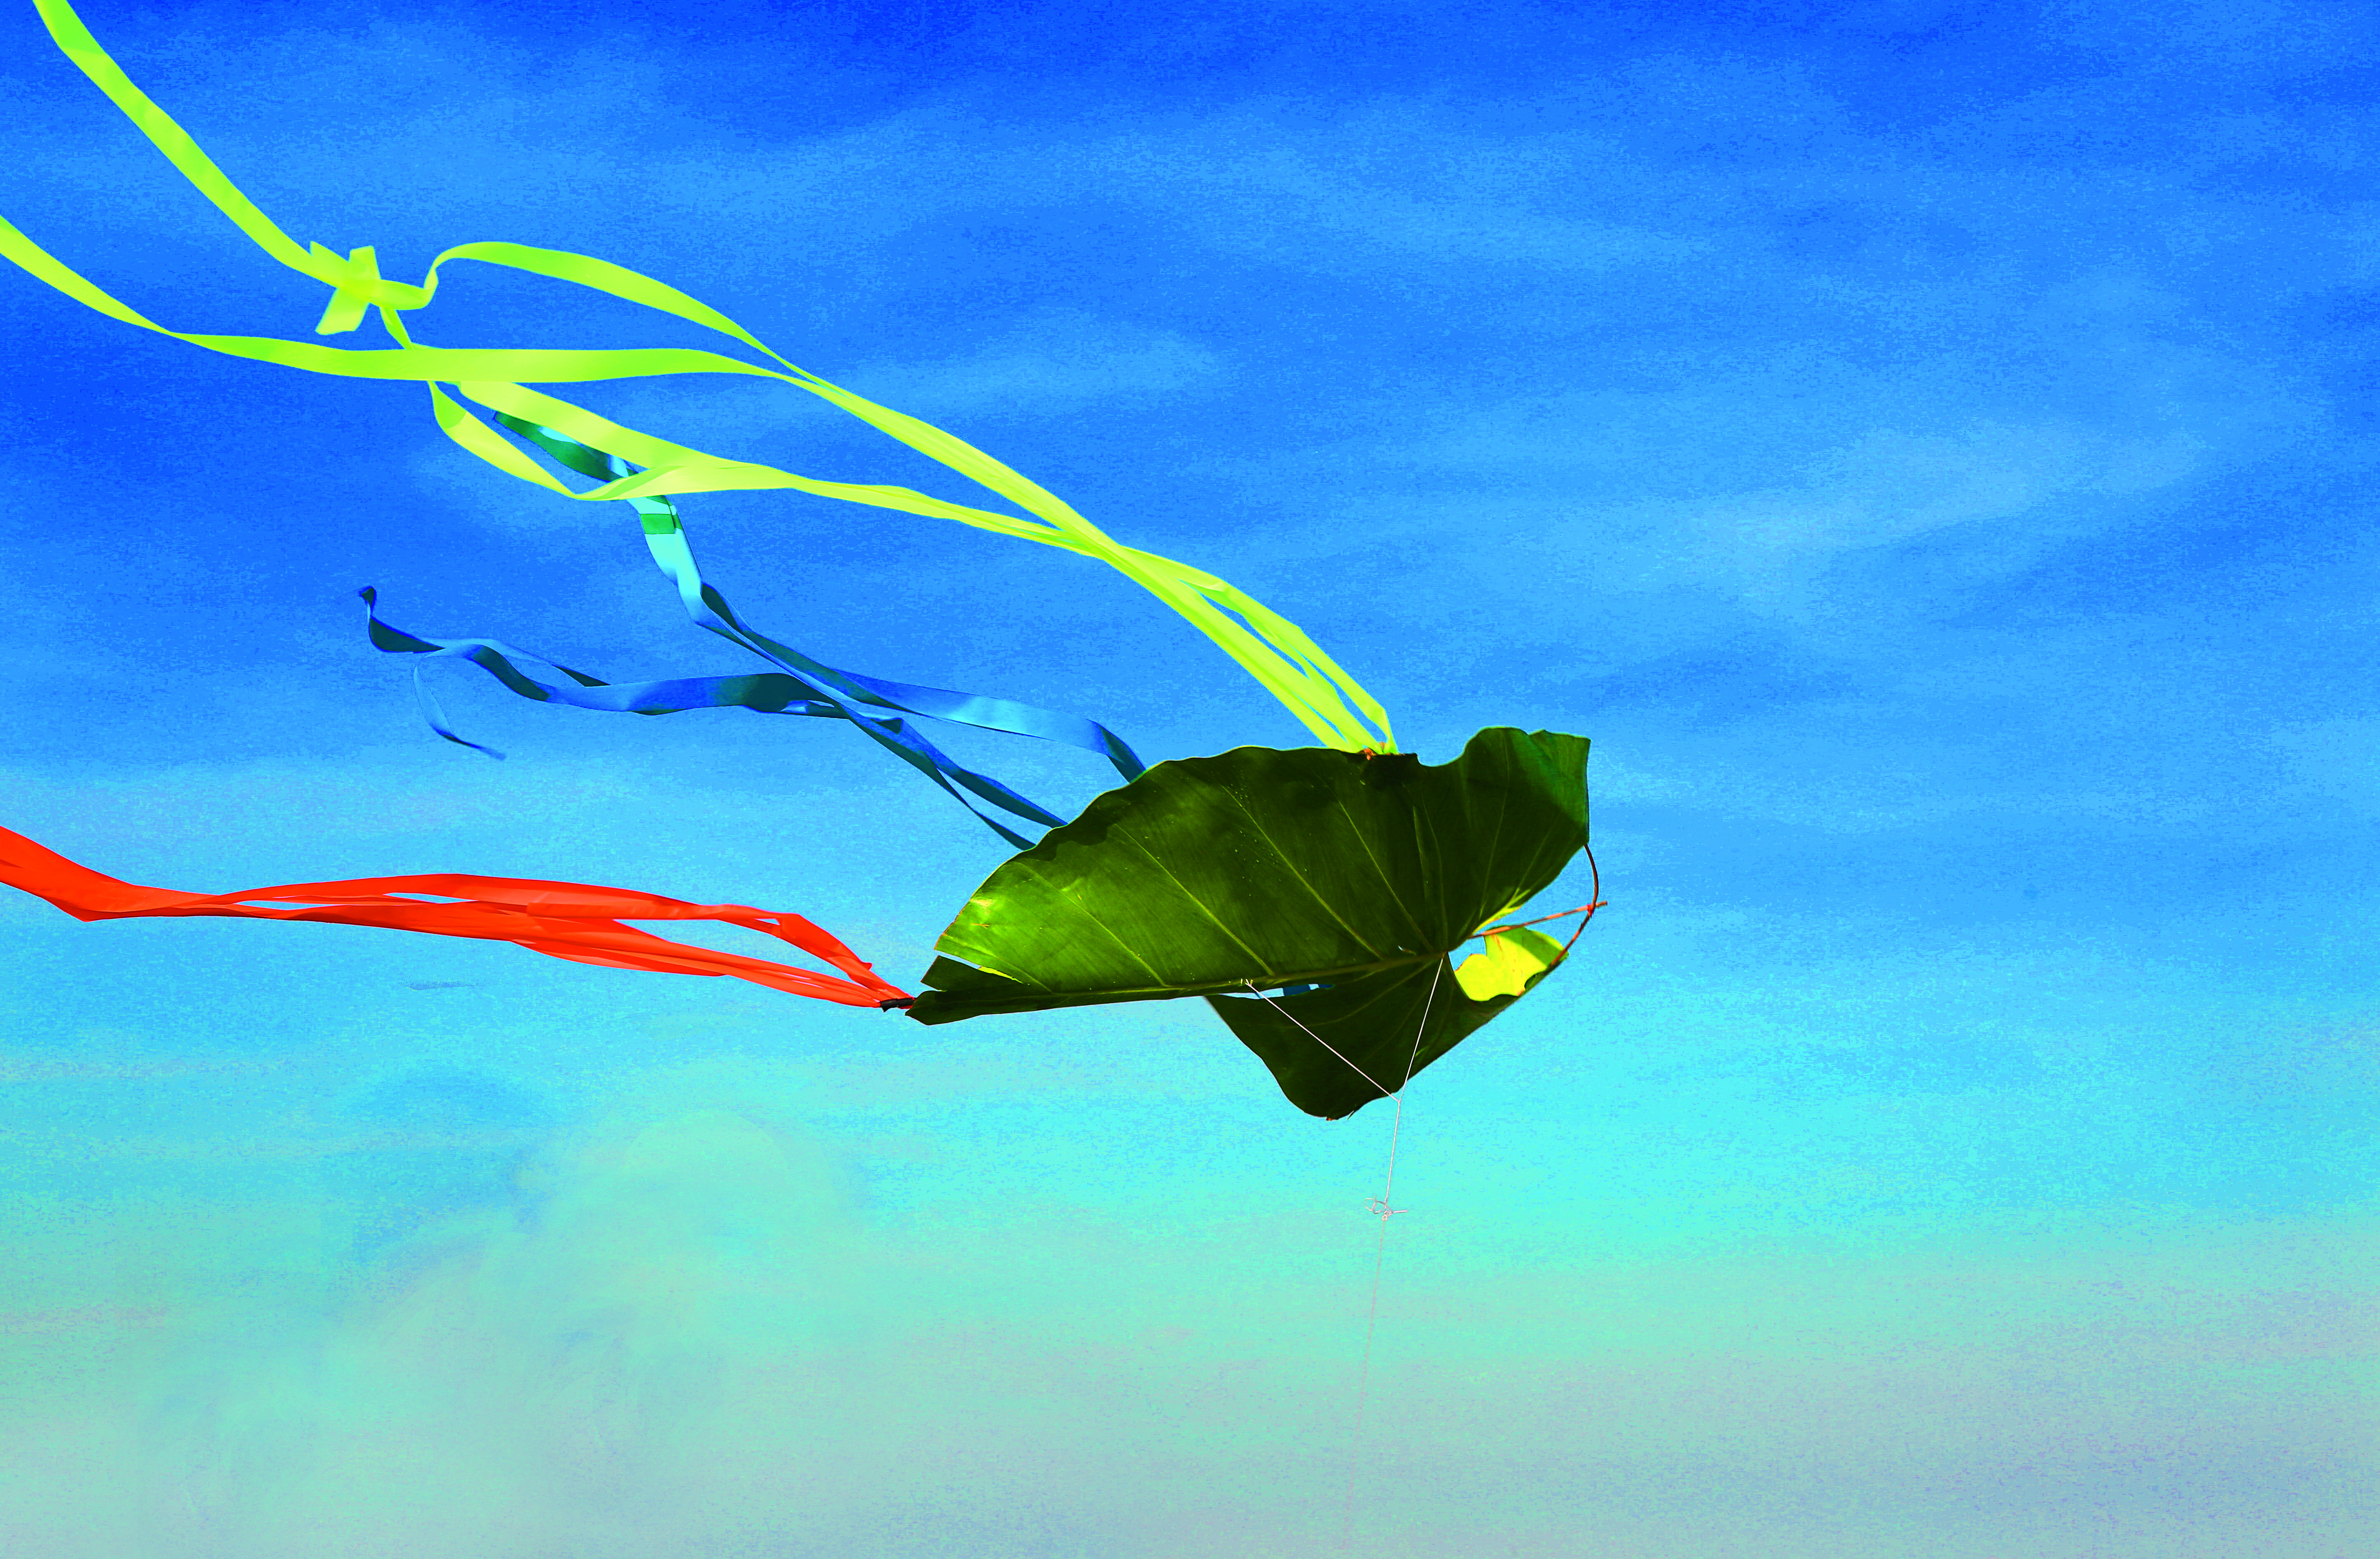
x: 570, y: 921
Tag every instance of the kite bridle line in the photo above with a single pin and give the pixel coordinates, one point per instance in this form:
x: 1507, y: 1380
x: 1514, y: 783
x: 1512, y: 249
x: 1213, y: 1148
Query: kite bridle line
x: 1319, y: 1039
x: 1270, y: 648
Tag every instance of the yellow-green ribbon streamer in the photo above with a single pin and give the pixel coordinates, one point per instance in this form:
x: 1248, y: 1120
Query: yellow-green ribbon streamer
x: 1272, y: 649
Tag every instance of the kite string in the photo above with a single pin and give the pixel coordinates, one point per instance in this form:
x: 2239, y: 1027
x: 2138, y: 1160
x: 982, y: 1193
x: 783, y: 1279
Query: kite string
x: 1381, y: 1203
x: 1379, y: 1259
x: 1378, y: 1204
x: 1397, y: 1123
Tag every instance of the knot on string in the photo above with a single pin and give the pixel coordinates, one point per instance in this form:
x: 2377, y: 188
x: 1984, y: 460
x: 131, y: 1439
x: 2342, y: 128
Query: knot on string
x: 356, y: 284
x: 1380, y: 1205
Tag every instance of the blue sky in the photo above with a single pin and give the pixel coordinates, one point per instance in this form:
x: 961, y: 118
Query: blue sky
x: 1927, y: 449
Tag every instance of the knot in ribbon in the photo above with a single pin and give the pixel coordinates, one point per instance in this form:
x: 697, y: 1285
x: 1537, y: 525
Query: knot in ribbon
x: 358, y: 286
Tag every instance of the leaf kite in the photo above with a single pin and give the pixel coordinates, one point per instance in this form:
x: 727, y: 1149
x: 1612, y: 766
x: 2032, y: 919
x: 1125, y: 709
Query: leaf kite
x: 1313, y: 896
x: 1222, y: 877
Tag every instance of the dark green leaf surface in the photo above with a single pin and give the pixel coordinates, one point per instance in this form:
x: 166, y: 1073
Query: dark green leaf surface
x: 1258, y: 868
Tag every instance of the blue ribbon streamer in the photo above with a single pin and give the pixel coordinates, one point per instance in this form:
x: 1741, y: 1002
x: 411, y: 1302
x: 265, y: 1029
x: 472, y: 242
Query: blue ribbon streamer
x: 802, y: 685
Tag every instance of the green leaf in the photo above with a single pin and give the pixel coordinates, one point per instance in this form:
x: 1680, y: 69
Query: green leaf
x: 1259, y: 869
